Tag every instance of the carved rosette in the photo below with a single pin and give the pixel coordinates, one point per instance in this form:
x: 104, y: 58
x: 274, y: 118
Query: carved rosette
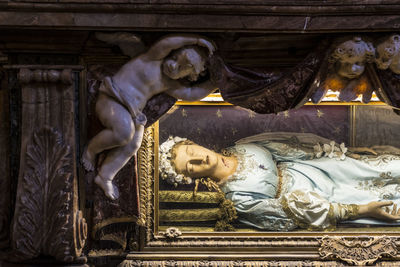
x: 358, y: 251
x: 172, y: 233
x: 47, y: 220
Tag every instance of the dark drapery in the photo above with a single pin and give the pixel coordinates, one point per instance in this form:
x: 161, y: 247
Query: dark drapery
x: 390, y: 83
x: 267, y: 92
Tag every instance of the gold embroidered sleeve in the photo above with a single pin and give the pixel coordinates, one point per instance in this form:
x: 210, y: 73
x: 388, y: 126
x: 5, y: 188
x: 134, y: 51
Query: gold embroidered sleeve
x: 345, y: 211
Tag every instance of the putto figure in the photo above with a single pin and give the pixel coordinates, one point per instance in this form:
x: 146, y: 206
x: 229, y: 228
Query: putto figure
x: 163, y: 68
x: 351, y: 56
x: 387, y: 54
x: 283, y: 181
x: 348, y: 61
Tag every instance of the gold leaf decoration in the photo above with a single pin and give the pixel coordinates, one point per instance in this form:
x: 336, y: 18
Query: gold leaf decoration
x: 188, y: 196
x: 357, y: 251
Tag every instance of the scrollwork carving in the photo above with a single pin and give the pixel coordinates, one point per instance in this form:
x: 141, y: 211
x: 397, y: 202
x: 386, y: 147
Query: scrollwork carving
x: 146, y: 170
x: 80, y: 232
x: 358, y: 251
x: 26, y: 76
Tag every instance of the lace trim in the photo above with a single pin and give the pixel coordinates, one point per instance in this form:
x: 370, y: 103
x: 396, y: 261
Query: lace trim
x: 284, y: 179
x: 377, y: 185
x: 280, y: 183
x: 379, y: 161
x: 246, y: 164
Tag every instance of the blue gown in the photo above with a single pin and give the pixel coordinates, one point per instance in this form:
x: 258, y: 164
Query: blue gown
x: 279, y: 187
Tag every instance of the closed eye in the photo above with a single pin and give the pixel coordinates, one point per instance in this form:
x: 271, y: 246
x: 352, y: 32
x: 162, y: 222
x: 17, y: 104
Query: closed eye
x: 189, y: 167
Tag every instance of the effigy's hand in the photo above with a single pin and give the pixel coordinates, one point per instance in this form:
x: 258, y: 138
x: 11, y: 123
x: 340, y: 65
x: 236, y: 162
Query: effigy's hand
x: 380, y: 210
x: 208, y: 44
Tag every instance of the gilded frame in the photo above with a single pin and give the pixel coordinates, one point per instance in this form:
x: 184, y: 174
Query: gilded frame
x: 256, y: 249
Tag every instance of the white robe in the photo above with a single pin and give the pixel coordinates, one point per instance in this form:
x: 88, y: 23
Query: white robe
x: 314, y: 191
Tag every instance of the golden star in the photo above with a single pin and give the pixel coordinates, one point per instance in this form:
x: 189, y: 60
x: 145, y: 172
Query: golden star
x: 184, y: 113
x: 219, y: 113
x: 252, y: 114
x: 319, y: 113
x: 234, y: 131
x: 286, y: 114
x: 337, y: 130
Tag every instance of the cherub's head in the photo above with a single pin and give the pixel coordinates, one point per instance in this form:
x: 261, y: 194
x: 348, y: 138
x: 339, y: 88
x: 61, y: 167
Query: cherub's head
x: 181, y: 160
x: 187, y: 62
x: 351, y: 56
x: 387, y: 54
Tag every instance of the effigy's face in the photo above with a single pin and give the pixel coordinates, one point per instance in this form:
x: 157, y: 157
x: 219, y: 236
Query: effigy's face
x: 194, y: 160
x: 184, y: 63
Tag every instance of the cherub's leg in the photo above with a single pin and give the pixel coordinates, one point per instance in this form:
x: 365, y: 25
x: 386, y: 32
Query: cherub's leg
x: 114, y: 161
x: 119, y: 129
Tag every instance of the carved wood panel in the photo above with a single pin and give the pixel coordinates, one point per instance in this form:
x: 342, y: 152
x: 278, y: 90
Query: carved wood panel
x: 47, y: 220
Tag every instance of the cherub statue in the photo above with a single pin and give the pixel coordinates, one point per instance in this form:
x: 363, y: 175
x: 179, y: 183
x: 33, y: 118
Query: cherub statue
x: 350, y: 57
x: 387, y: 54
x: 348, y: 61
x: 122, y: 97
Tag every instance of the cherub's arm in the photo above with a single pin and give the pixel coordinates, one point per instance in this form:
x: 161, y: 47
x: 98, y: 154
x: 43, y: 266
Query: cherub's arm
x: 163, y: 47
x: 193, y: 93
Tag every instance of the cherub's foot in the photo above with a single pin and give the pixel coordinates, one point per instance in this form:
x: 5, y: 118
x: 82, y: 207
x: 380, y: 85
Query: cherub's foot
x: 110, y: 190
x: 88, y: 160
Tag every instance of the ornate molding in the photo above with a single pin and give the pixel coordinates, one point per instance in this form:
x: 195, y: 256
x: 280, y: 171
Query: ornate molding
x: 147, y: 171
x: 26, y: 75
x: 358, y: 251
x: 237, y: 263
x: 228, y: 241
x: 188, y: 196
x: 182, y: 215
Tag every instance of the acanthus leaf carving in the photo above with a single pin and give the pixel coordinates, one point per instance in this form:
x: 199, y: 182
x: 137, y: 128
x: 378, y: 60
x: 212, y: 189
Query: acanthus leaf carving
x: 357, y: 251
x: 44, y: 208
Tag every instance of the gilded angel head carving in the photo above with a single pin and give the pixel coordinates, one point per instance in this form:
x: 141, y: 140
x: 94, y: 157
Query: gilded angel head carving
x: 351, y: 56
x: 387, y: 54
